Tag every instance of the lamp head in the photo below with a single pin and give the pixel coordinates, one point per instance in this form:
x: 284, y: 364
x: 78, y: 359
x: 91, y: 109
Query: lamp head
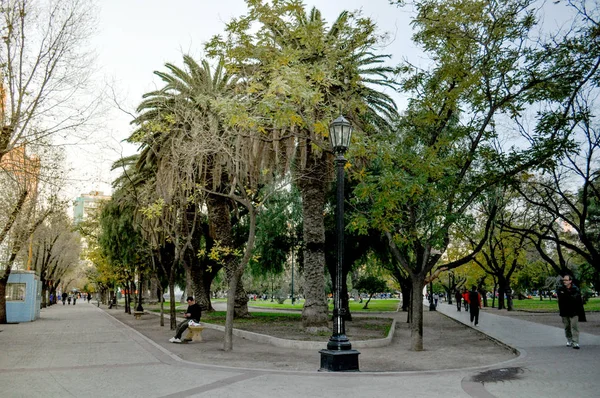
x: 340, y: 131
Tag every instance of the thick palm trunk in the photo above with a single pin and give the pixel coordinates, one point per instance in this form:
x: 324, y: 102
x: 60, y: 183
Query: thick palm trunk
x: 312, y: 187
x: 202, y: 280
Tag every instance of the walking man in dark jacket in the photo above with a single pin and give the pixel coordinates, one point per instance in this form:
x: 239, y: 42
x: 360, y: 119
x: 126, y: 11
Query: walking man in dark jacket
x: 193, y: 313
x: 458, y: 298
x: 569, y: 307
x: 474, y: 304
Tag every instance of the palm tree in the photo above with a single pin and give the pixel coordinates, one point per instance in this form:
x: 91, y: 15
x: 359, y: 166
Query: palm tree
x: 172, y: 121
x: 300, y: 75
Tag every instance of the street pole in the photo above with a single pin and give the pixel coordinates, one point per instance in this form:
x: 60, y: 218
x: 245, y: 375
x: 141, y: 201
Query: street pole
x: 139, y: 307
x: 293, y: 249
x: 339, y: 355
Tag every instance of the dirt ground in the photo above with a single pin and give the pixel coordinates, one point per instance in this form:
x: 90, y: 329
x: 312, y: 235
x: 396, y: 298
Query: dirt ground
x: 447, y: 345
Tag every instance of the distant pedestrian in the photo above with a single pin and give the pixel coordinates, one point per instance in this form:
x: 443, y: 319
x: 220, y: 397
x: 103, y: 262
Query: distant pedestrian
x: 465, y: 296
x: 193, y: 313
x: 458, y: 298
x: 89, y: 297
x: 570, y: 307
x: 74, y: 299
x: 64, y: 298
x: 69, y: 299
x: 474, y: 304
x: 436, y: 297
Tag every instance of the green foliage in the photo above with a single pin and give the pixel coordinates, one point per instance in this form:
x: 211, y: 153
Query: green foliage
x: 119, y: 239
x: 275, y: 232
x: 300, y: 72
x: 371, y: 285
x: 445, y: 152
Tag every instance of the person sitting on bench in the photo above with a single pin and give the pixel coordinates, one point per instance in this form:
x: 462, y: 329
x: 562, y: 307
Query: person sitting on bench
x: 193, y: 313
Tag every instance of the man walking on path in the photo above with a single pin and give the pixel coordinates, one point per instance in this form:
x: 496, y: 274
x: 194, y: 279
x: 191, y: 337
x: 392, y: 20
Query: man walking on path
x: 569, y: 307
x: 193, y: 313
x: 458, y: 298
x: 64, y: 297
x: 474, y: 304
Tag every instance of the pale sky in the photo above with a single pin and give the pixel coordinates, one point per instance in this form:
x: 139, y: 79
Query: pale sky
x: 137, y: 37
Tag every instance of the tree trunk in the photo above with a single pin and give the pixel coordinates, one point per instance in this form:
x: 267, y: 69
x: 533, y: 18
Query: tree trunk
x: 189, y: 286
x: 173, y: 319
x: 3, y: 283
x: 202, y: 279
x: 44, y: 302
x: 234, y: 280
x: 501, y: 289
x: 312, y: 187
x: 3, y: 300
x: 416, y: 326
x: 220, y: 224
x: 332, y: 268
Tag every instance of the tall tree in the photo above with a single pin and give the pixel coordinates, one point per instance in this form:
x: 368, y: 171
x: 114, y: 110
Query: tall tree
x: 56, y: 250
x: 299, y: 74
x: 44, y: 70
x: 450, y: 146
x: 563, y: 198
x: 186, y: 110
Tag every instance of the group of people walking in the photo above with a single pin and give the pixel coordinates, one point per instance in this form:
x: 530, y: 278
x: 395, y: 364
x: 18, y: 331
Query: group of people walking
x: 472, y: 303
x: 570, y: 307
x: 67, y: 298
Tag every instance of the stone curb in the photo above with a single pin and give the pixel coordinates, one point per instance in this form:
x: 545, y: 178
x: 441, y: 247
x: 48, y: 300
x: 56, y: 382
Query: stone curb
x: 297, y: 344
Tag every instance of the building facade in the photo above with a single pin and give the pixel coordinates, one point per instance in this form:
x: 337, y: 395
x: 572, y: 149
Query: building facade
x: 87, y: 204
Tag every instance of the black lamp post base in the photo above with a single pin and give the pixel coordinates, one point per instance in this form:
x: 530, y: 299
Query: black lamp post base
x: 339, y: 361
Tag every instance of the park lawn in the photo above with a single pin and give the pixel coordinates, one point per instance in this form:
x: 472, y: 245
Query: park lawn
x: 376, y: 305
x: 548, y: 305
x: 387, y: 305
x: 218, y: 317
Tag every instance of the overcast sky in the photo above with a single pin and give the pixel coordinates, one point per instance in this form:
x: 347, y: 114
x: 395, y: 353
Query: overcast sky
x: 137, y: 37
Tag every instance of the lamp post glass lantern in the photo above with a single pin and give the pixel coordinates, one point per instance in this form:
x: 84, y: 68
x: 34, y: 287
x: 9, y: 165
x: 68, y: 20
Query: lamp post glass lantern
x: 339, y: 355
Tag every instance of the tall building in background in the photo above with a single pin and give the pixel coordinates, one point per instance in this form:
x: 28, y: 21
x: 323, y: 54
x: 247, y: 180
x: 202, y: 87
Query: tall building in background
x: 87, y: 204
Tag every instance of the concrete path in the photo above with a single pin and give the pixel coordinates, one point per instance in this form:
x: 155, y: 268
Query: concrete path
x: 546, y: 367
x: 82, y: 351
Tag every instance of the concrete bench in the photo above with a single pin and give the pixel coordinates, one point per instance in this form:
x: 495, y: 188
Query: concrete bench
x: 194, y: 333
x: 138, y: 314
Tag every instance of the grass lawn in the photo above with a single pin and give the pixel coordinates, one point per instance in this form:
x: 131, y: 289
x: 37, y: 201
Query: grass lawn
x: 218, y: 317
x: 548, y: 305
x: 388, y: 305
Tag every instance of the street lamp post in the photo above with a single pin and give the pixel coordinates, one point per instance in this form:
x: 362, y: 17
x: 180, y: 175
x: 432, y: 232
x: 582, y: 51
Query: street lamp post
x: 139, y: 307
x: 293, y: 249
x: 339, y: 355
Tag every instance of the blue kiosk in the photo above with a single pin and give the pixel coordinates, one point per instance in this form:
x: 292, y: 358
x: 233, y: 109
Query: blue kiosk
x: 23, y: 297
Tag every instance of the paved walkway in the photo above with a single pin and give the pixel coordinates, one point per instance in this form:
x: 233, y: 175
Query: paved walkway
x: 82, y: 351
